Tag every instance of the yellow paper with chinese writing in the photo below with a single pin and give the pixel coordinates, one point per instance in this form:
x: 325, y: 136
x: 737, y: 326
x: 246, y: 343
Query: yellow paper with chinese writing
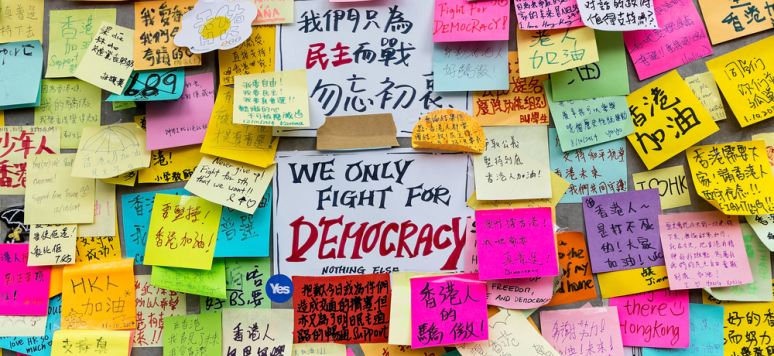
x: 632, y: 281
x: 55, y: 196
x: 22, y: 143
x: 449, y: 129
x: 104, y: 212
x: 671, y: 183
x: 99, y: 295
x: 108, y: 151
x: 91, y: 342
x: 666, y: 126
x: 744, y: 325
x: 21, y: 20
x: 550, y: 51
x: 140, y: 121
x: 523, y: 103
x: 726, y: 20
x: 558, y: 188
x: 98, y: 248
x: 769, y: 139
x: 127, y: 179
x: 71, y: 104
x: 743, y: 77
x: 170, y: 165
x: 70, y: 33
x: 108, y: 60
x: 255, y: 55
x: 155, y: 25
x: 250, y: 144
x: 272, y: 99
x: 182, y: 233
x: 735, y: 177
x: 706, y: 90
x: 52, y: 244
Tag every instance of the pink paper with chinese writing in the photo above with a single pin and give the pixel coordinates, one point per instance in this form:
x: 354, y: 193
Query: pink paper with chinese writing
x: 654, y: 319
x: 681, y: 38
x: 439, y: 304
x: 573, y: 330
x: 547, y: 14
x: 24, y: 290
x: 463, y: 20
x: 704, y: 249
x: 516, y: 243
x: 471, y: 247
x: 183, y: 121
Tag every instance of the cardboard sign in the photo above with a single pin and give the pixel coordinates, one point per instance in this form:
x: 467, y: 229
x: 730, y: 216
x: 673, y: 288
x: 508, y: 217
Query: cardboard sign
x: 577, y: 281
x: 99, y: 295
x: 654, y: 319
x: 324, y: 202
x: 153, y: 304
x: 26, y: 292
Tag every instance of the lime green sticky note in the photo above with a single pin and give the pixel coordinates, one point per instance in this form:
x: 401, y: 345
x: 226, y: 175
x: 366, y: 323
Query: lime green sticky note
x: 606, y: 77
x: 123, y: 105
x: 203, y: 330
x: 71, y: 104
x: 210, y: 282
x: 246, y: 284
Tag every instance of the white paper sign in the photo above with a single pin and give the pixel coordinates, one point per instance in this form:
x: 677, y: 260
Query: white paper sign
x: 618, y: 15
x: 215, y: 25
x: 369, y: 58
x: 401, y: 210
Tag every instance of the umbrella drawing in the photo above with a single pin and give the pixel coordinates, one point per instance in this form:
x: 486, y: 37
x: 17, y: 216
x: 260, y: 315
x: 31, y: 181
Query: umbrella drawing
x: 14, y: 219
x: 111, y: 139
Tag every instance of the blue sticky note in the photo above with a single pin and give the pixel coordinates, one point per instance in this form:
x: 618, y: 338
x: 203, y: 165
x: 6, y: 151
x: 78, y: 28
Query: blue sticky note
x: 153, y: 85
x: 137, y: 210
x: 29, y: 105
x: 470, y: 66
x: 595, y: 170
x: 21, y: 69
x: 706, y: 333
x: 37, y: 345
x: 244, y: 235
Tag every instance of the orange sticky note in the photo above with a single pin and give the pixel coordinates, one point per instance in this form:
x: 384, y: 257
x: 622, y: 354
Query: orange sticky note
x: 55, y: 287
x: 99, y: 295
x: 450, y: 130
x: 577, y: 281
x: 155, y: 25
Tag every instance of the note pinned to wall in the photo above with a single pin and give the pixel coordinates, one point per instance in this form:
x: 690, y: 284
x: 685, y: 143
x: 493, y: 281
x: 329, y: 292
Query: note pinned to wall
x: 547, y: 15
x: 706, y: 325
x: 667, y: 309
x: 510, y: 333
x: 668, y: 118
x: 52, y: 244
x: 577, y: 281
x: 104, y: 212
x: 246, y: 283
x: 716, y: 237
x: 400, y: 308
x: 706, y: 90
x: 56, y: 197
x: 550, y: 51
x: 183, y: 231
x: 255, y: 55
x: 92, y: 342
x: 558, y: 188
x: 469, y: 66
x: 137, y: 210
x: 71, y: 104
x: 183, y: 121
x: 176, y: 164
x: 289, y: 103
x: 357, y: 132
x: 594, y: 325
x: 108, y: 60
x: 448, y: 129
x: 22, y: 67
x: 123, y: 105
x: 229, y: 183
x: 22, y: 295
x: 210, y: 283
x: 98, y: 248
x: 744, y: 324
x: 759, y: 258
x: 99, y: 295
x: 22, y: 20
x: 212, y: 26
x: 154, y: 24
x: 43, y: 140
x: 154, y: 304
x: 34, y: 345
x: 152, y: 85
x: 461, y: 20
x: 632, y: 281
x: 763, y: 225
x: 111, y: 150
x: 729, y: 20
x: 70, y: 33
x: 276, y: 324
x: 671, y: 183
x: 620, y: 16
x: 203, y: 330
x: 245, y: 235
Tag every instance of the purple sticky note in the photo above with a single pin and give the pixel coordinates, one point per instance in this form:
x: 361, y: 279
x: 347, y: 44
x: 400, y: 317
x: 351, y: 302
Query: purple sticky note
x: 183, y: 121
x: 622, y: 230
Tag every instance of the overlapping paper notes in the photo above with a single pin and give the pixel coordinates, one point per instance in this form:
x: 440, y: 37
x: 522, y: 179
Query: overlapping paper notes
x: 25, y: 290
x: 450, y: 130
x: 155, y: 24
x: 57, y: 197
x: 231, y: 184
x: 99, y: 295
x: 549, y: 51
x: 108, y: 151
x: 108, y: 60
x: 20, y: 143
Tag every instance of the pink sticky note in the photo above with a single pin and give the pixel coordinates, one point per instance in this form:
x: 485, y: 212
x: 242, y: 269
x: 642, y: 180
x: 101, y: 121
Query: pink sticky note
x: 681, y: 39
x: 516, y: 243
x: 704, y: 249
x: 519, y: 293
x: 462, y: 20
x: 443, y: 305
x: 471, y: 249
x: 654, y: 319
x: 25, y: 289
x: 183, y: 121
x: 349, y: 351
x: 547, y: 15
x: 570, y: 331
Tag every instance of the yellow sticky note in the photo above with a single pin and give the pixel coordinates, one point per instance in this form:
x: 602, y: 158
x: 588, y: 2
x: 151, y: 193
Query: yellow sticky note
x: 632, y: 281
x: 319, y: 349
x: 744, y: 325
x: 55, y: 196
x: 449, y: 129
x: 558, y: 188
x: 52, y: 244
x: 98, y: 248
x: 71, y: 104
x: 250, y: 144
x: 231, y: 184
x: 668, y: 118
x: 272, y: 99
x: 381, y: 349
x: 108, y: 60
x: 726, y: 20
x: 743, y: 77
x: 70, y: 33
x: 400, y: 308
x: 91, y: 342
x: 769, y: 139
x: 182, y: 233
x: 155, y: 24
x: 140, y: 121
x: 111, y: 150
x: 99, y: 295
x: 255, y: 55
x: 126, y: 179
x: 171, y: 165
x: 104, y: 212
x: 123, y: 105
x: 550, y: 51
x: 21, y: 20
x: 706, y: 90
x: 43, y: 140
x: 523, y: 103
x: 735, y: 177
x: 672, y: 185
x: 2, y: 118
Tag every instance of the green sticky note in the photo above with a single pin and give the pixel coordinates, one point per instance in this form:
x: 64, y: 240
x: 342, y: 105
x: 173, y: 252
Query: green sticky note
x: 202, y: 332
x: 246, y: 286
x: 70, y: 33
x: 606, y: 77
x: 123, y: 105
x: 71, y: 104
x: 211, y: 283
